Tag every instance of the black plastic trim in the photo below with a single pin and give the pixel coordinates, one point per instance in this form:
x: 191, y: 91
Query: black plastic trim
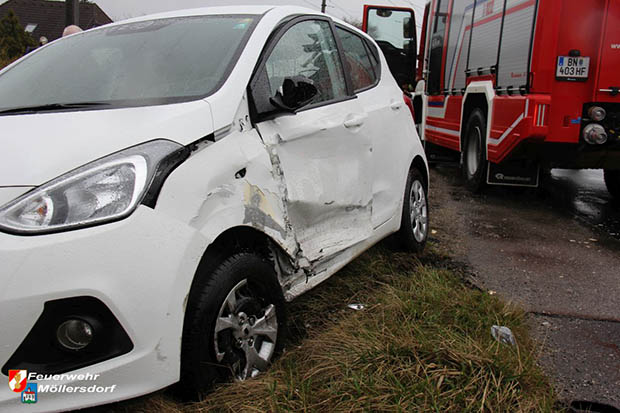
x: 40, y: 352
x: 164, y: 169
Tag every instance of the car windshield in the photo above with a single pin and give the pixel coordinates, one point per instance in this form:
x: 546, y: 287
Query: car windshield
x: 133, y: 64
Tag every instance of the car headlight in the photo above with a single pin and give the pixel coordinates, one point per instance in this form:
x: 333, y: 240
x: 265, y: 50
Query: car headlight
x: 106, y: 190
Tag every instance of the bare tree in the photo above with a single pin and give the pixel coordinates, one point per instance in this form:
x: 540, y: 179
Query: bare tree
x: 354, y: 22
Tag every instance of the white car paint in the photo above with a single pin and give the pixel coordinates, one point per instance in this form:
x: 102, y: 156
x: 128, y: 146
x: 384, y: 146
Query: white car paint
x: 320, y: 191
x: 113, y: 130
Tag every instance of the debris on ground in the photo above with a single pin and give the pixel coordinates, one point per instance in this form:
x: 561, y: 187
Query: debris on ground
x: 503, y: 334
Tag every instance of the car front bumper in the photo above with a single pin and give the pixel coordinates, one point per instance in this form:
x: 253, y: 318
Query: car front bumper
x: 141, y: 268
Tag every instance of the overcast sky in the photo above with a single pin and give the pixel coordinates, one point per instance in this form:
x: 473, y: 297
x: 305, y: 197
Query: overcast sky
x: 350, y: 9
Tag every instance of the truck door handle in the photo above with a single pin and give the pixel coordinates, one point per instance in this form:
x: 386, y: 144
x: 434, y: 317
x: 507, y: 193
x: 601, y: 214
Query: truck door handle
x: 354, y: 121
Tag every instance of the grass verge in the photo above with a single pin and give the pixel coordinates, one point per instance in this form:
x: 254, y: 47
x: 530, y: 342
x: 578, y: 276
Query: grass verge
x: 422, y: 343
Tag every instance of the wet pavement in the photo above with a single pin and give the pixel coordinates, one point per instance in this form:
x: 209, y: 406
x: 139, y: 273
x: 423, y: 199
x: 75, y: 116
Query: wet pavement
x: 556, y: 252
x: 583, y: 193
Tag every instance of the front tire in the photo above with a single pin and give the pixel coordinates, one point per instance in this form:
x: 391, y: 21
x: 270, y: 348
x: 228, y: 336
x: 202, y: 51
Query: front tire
x: 612, y: 181
x: 474, y: 165
x: 414, y: 225
x: 234, y: 323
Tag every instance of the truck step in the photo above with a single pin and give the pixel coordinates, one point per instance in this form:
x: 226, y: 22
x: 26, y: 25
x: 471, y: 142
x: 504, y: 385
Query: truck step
x: 439, y: 154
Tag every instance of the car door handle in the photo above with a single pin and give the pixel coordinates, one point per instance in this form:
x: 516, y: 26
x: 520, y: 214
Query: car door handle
x: 396, y: 105
x: 355, y: 121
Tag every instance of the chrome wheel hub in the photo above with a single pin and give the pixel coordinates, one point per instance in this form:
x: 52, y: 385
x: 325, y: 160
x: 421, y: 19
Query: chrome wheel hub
x: 245, y: 332
x: 418, y: 211
x: 474, y: 146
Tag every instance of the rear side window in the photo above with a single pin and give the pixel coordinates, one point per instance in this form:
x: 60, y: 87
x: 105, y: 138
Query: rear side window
x: 358, y: 60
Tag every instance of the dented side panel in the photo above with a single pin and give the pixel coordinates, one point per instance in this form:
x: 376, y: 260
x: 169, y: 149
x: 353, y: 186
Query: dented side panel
x: 237, y: 187
x: 327, y: 173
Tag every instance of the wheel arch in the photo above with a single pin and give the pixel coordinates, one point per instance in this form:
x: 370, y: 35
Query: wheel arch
x: 479, y: 95
x: 419, y: 164
x: 231, y: 241
x: 239, y: 239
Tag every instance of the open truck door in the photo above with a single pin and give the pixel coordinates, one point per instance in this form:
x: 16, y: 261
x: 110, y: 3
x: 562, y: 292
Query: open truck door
x: 394, y: 30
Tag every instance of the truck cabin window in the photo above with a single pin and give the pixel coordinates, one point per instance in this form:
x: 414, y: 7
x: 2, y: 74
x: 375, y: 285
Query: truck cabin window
x: 436, y: 47
x: 395, y: 33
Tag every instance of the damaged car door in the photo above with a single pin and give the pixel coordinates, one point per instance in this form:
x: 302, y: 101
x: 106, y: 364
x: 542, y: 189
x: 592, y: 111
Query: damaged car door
x: 316, y: 135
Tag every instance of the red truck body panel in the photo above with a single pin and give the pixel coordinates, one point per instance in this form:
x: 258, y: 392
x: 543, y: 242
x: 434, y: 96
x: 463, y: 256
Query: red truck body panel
x: 609, y: 66
x: 524, y: 49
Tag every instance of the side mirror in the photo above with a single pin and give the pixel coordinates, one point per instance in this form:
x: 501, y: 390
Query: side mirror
x: 408, y: 28
x: 295, y: 93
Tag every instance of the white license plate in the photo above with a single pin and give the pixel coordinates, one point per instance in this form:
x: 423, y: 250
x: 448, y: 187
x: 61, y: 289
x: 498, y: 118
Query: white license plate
x: 573, y: 68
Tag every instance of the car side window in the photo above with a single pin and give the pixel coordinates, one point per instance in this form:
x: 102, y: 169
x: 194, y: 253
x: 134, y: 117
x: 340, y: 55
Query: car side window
x: 308, y: 49
x: 374, y: 57
x: 357, y: 60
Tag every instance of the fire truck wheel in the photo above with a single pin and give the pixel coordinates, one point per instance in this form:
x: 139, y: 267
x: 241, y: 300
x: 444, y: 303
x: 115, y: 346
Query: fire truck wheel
x: 612, y: 180
x: 474, y: 163
x: 415, y: 220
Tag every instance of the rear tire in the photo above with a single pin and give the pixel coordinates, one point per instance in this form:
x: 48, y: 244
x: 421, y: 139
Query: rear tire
x: 474, y: 166
x: 234, y: 324
x: 612, y: 181
x: 414, y: 225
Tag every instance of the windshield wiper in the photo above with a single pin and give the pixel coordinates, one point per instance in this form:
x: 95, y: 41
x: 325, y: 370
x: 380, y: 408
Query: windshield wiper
x: 52, y: 107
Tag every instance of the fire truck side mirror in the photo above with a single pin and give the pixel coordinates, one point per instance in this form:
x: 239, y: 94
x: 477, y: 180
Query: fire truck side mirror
x: 407, y: 29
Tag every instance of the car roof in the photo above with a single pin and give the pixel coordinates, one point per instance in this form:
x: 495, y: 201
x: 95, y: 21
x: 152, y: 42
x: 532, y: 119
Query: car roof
x: 211, y: 11
x: 276, y: 11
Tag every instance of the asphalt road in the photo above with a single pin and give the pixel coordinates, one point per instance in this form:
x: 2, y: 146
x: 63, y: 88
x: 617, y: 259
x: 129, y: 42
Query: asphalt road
x: 556, y: 252
x: 584, y: 194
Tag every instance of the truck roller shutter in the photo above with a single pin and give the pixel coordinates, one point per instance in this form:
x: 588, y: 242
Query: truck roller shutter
x: 459, y: 81
x: 486, y: 34
x: 515, y: 47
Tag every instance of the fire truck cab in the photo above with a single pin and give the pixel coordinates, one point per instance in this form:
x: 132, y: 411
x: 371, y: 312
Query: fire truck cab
x: 510, y: 87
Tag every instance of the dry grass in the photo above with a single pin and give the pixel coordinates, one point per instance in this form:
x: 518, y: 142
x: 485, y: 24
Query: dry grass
x: 423, y: 343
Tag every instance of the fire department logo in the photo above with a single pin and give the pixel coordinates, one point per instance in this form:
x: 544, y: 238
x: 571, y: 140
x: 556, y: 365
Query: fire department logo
x: 29, y: 396
x: 18, y: 380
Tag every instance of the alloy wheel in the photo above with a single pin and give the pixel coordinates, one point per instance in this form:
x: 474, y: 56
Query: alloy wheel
x: 246, y: 331
x: 419, y: 211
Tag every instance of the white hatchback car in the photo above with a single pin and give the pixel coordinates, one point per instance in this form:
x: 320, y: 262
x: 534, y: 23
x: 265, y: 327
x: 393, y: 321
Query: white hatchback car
x: 168, y: 182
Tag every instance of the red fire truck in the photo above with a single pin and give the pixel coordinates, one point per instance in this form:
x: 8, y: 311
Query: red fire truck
x: 513, y: 86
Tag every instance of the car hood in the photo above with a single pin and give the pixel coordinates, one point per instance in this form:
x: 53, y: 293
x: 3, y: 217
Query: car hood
x: 36, y: 148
